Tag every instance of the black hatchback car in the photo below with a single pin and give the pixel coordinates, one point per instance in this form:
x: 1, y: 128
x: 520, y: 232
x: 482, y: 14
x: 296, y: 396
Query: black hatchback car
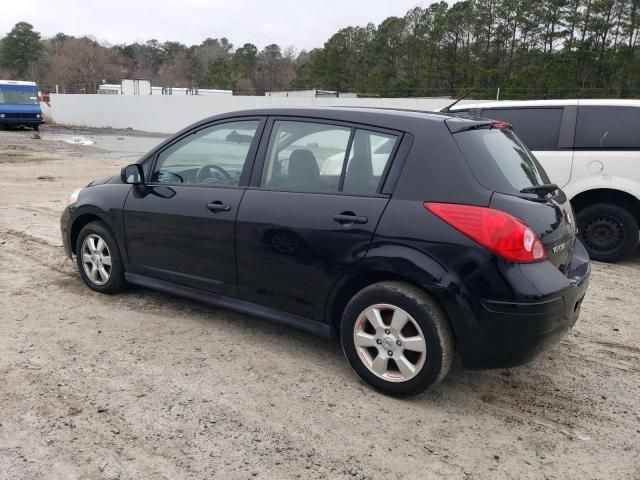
x: 409, y: 234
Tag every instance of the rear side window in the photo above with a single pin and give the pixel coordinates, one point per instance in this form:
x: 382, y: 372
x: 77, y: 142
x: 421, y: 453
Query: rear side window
x: 538, y: 128
x: 324, y: 158
x: 368, y: 158
x: 299, y: 154
x: 608, y: 127
x: 499, y: 160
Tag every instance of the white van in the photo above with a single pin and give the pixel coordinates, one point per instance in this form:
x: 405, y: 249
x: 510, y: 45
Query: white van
x: 591, y: 149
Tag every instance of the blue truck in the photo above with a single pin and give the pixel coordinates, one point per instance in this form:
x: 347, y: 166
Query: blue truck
x: 19, y: 105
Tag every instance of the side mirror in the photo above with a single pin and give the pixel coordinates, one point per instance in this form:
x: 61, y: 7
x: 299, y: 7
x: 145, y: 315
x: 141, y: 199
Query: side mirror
x: 132, y: 174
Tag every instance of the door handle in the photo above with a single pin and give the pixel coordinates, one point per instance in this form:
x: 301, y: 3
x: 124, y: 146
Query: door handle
x: 218, y: 206
x: 346, y: 218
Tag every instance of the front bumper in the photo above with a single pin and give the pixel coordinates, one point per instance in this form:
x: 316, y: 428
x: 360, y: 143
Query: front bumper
x: 512, y: 332
x: 65, y: 221
x: 21, y: 121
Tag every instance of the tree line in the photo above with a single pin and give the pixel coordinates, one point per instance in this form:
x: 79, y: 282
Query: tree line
x: 527, y: 48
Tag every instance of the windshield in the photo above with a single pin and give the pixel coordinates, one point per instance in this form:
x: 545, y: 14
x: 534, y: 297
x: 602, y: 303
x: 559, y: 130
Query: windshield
x: 18, y: 95
x: 499, y: 160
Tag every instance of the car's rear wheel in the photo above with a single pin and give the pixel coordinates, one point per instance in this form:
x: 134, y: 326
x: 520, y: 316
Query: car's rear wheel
x: 99, y: 260
x: 608, y: 231
x: 397, y: 338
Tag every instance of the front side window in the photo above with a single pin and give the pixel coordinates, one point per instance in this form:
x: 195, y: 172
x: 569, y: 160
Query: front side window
x: 213, y: 156
x: 323, y: 158
x: 538, y: 128
x: 607, y: 127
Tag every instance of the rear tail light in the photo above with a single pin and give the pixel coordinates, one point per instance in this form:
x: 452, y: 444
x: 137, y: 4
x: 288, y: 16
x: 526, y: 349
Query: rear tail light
x: 495, y: 230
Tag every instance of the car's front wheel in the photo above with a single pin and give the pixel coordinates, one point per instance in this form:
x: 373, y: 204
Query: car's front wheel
x: 99, y: 259
x: 397, y: 338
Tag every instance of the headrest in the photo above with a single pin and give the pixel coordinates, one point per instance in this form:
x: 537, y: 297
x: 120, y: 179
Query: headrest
x: 360, y: 165
x: 303, y: 165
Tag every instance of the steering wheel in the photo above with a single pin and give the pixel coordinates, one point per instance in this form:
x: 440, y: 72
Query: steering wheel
x: 204, y: 173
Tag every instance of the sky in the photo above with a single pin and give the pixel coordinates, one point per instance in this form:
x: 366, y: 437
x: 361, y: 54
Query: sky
x: 304, y: 24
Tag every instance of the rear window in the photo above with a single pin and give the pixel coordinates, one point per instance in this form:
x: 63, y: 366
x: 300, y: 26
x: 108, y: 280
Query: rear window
x: 608, y: 127
x: 499, y: 160
x: 538, y: 128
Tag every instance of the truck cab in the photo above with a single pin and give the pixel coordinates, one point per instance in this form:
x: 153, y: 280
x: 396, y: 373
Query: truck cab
x: 19, y: 105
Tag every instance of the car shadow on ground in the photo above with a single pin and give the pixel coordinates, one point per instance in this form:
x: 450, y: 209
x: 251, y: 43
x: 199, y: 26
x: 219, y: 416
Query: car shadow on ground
x: 520, y: 385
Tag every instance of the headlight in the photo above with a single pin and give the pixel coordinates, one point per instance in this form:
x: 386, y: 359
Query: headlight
x: 74, y: 195
x: 38, y: 115
x: 1, y: 115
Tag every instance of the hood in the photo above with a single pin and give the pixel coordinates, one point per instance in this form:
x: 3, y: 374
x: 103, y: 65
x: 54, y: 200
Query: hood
x: 28, y: 108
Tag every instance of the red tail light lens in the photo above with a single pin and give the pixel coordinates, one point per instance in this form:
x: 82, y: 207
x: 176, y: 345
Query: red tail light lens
x: 500, y: 124
x: 493, y: 229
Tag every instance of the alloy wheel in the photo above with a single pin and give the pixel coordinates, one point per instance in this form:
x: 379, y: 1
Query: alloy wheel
x: 390, y: 343
x: 96, y: 259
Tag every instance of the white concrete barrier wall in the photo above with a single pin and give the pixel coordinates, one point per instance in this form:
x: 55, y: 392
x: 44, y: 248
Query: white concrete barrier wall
x: 169, y: 113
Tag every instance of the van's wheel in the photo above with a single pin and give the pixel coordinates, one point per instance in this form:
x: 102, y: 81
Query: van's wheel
x: 609, y: 232
x: 99, y: 259
x: 397, y: 338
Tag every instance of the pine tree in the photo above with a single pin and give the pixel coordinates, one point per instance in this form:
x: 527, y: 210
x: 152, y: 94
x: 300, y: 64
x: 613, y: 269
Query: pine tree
x: 21, y: 50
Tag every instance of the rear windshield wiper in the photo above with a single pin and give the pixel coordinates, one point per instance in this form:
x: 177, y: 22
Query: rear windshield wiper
x: 544, y: 188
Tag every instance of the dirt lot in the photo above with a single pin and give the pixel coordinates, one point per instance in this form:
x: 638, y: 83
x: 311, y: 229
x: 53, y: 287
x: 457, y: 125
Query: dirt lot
x: 144, y: 385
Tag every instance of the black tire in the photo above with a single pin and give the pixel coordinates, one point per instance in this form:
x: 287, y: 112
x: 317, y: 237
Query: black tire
x: 116, y: 281
x: 429, y: 317
x: 609, y: 232
x: 36, y: 128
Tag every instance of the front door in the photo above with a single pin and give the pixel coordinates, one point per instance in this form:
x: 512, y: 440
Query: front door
x: 180, y: 227
x: 312, y: 214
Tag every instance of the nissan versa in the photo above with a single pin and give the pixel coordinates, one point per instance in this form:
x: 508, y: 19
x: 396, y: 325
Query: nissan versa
x: 410, y: 235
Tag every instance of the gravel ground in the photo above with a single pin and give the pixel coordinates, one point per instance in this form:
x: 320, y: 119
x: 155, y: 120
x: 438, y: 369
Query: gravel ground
x: 145, y: 385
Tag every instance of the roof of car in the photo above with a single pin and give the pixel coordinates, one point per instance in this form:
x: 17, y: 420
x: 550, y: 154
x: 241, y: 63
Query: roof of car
x: 333, y: 112
x: 546, y: 103
x: 391, y: 118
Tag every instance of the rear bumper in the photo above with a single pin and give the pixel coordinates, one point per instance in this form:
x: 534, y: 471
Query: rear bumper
x: 513, y: 332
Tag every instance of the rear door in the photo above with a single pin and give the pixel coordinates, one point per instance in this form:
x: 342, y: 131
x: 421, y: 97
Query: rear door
x: 607, y: 144
x: 180, y: 227
x: 542, y: 129
x: 311, y: 211
x: 502, y: 163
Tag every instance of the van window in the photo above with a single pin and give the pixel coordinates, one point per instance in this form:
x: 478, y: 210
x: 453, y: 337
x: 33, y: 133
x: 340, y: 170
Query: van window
x: 18, y: 95
x: 608, y: 127
x: 537, y: 127
x: 499, y: 160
